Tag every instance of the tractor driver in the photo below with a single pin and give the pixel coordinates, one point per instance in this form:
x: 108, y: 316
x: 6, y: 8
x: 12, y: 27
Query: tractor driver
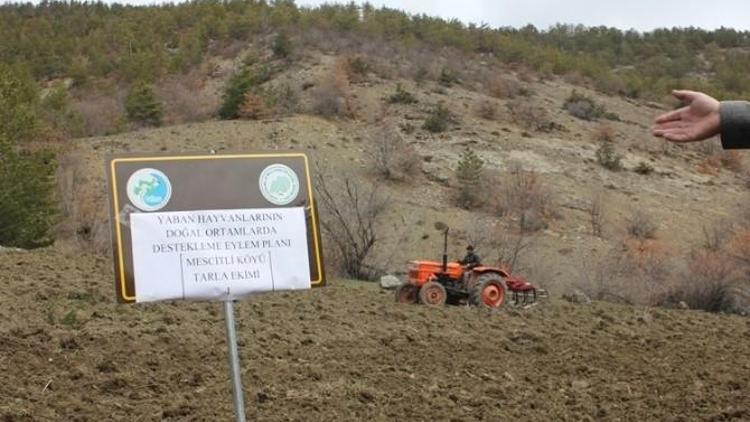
x: 471, y: 259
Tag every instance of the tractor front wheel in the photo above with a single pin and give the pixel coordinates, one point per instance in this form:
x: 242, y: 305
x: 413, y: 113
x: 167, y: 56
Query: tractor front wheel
x: 407, y: 293
x: 488, y: 292
x: 433, y: 294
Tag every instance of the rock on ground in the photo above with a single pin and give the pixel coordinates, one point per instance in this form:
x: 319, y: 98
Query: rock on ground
x: 390, y: 282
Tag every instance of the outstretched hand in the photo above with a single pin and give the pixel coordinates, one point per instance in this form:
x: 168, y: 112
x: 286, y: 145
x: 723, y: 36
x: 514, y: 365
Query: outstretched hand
x: 697, y: 121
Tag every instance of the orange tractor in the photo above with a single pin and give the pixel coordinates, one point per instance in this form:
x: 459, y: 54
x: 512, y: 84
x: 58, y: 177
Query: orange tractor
x: 437, y: 283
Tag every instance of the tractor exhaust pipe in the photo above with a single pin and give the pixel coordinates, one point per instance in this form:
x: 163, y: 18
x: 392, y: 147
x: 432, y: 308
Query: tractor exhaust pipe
x: 445, y: 250
x: 444, y: 228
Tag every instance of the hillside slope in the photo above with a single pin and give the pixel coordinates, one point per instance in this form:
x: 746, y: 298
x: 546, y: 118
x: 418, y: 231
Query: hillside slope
x: 681, y: 195
x: 348, y: 352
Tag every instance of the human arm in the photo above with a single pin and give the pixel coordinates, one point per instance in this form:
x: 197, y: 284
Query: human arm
x: 698, y: 120
x: 735, y: 124
x: 704, y: 117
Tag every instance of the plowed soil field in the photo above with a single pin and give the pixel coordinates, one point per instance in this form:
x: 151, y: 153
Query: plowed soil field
x: 347, y: 352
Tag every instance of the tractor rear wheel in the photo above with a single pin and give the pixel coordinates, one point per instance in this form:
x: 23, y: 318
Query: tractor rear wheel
x: 407, y: 293
x: 488, y: 292
x: 433, y: 294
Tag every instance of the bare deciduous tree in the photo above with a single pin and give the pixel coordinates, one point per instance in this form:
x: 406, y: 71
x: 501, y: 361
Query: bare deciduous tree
x: 480, y: 233
x: 716, y: 236
x: 712, y: 281
x: 603, y: 278
x: 83, y: 218
x: 596, y: 213
x: 530, y: 116
x: 350, y: 213
x: 641, y: 225
x: 523, y: 195
x: 391, y: 157
x: 511, y: 247
x: 330, y: 97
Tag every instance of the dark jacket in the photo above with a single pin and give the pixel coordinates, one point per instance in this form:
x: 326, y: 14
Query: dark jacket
x: 735, y: 124
x: 471, y: 259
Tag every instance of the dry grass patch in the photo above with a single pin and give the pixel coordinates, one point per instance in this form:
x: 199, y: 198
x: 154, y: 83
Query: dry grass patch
x: 84, y: 219
x: 523, y: 195
x: 103, y: 114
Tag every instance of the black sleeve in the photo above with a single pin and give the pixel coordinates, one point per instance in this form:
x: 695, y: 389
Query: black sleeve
x: 735, y: 124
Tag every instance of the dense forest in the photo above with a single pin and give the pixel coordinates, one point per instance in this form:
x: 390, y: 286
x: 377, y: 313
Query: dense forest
x: 86, y: 41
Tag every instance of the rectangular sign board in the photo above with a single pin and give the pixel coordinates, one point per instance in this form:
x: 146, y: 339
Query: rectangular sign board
x: 212, y: 227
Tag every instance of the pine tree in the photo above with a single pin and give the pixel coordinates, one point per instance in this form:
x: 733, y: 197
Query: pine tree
x: 58, y: 112
x: 27, y: 203
x: 142, y: 106
x: 439, y: 120
x: 247, y: 79
x: 19, y: 101
x: 469, y: 175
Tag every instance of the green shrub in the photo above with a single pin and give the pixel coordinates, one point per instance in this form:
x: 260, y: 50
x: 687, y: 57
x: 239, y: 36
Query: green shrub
x: 609, y: 115
x: 281, y: 46
x: 70, y: 319
x: 608, y: 158
x: 644, y: 168
x: 234, y: 94
x: 358, y: 66
x: 439, y: 120
x: 142, y: 106
x: 447, y: 77
x: 247, y: 79
x: 583, y: 107
x: 402, y: 96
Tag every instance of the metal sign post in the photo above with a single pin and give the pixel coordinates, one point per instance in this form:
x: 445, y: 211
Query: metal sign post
x: 192, y: 226
x: 234, y: 361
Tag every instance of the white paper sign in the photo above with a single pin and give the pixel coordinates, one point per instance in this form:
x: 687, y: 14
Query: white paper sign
x: 219, y: 254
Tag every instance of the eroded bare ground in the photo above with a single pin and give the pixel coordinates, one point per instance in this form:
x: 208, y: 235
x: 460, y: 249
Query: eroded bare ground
x: 347, y: 352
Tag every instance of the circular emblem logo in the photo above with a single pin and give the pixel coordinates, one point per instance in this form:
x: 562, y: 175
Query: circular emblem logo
x: 149, y: 189
x: 279, y: 184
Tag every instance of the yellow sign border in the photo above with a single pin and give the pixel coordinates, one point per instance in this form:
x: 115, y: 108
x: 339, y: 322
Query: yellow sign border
x: 116, y: 203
